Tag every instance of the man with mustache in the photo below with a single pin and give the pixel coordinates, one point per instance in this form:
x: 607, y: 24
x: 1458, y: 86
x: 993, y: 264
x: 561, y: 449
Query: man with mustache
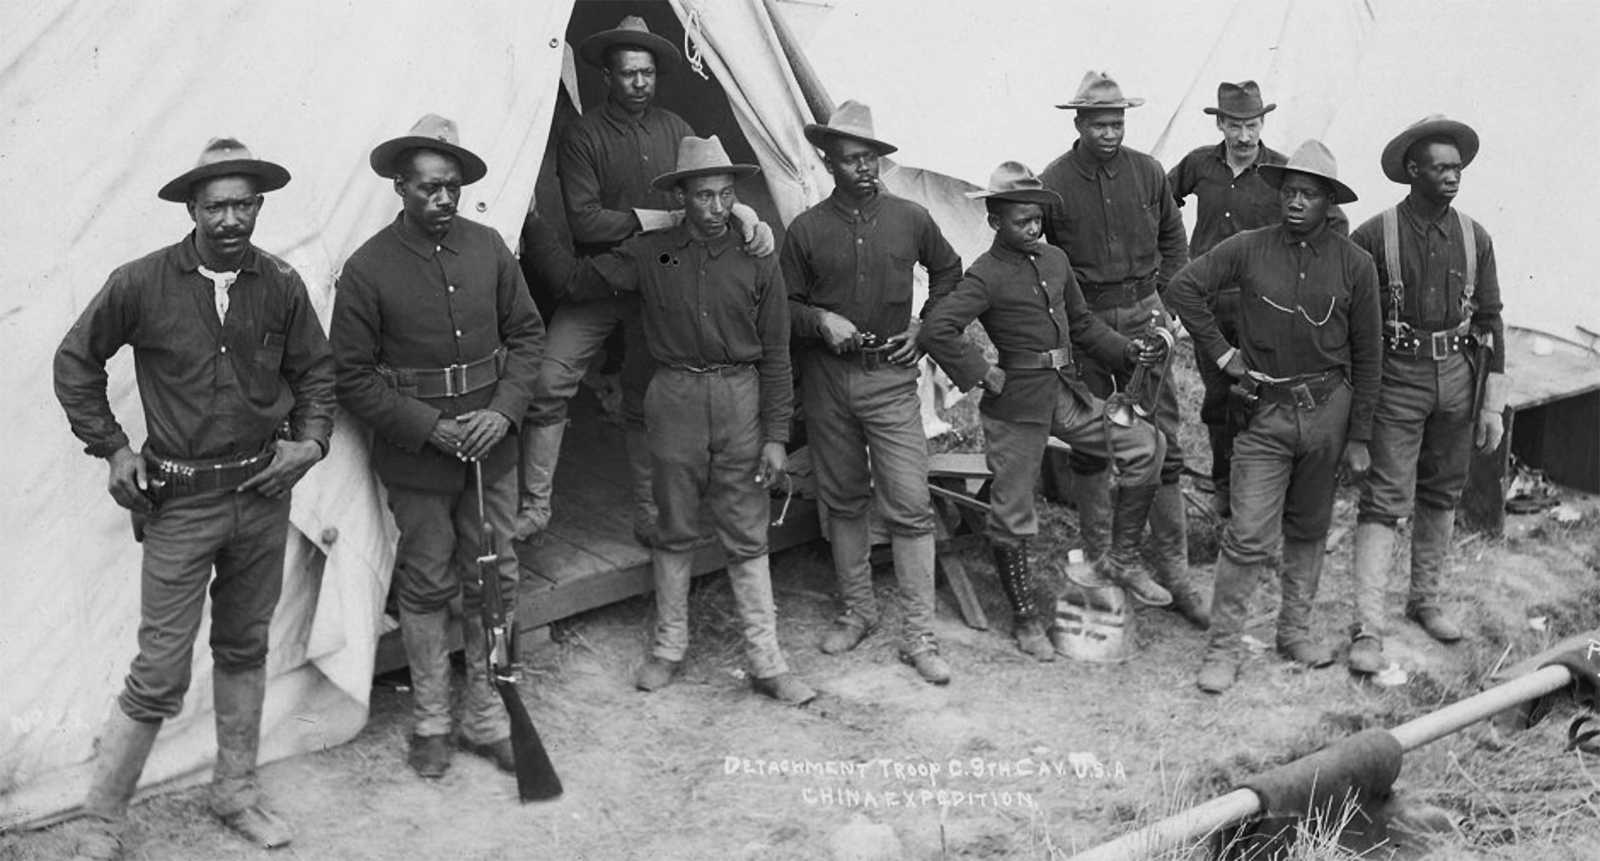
x: 848, y: 265
x: 606, y: 161
x: 437, y: 344
x: 1119, y: 224
x: 226, y: 349
x: 1231, y: 197
x: 1308, y: 366
x: 1441, y: 297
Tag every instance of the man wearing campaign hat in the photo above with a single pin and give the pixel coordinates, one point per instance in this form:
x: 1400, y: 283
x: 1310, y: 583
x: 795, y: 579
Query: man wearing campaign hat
x: 1307, y: 369
x: 228, y: 352
x: 1231, y: 196
x: 437, y: 344
x: 1024, y: 293
x: 606, y: 161
x: 718, y: 408
x: 848, y: 265
x: 1441, y: 313
x: 1119, y: 224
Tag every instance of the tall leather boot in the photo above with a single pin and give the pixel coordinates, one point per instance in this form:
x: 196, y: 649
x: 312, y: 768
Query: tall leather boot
x: 235, y: 793
x: 426, y: 637
x: 1374, y: 553
x: 850, y: 542
x: 485, y: 726
x: 640, y: 480
x: 120, y: 754
x: 1432, y: 530
x: 1302, y: 571
x: 1092, y: 497
x: 913, y: 572
x: 671, y: 572
x: 1169, y: 545
x: 1011, y: 566
x: 1123, y: 565
x: 541, y: 449
x: 1230, y: 607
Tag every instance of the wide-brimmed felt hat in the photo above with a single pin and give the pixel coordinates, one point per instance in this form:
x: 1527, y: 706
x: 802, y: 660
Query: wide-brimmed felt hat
x: 1313, y: 159
x: 1013, y: 181
x: 225, y: 157
x: 1099, y: 92
x: 701, y: 157
x: 632, y: 32
x: 851, y: 120
x: 1435, y: 125
x: 1241, y: 101
x: 431, y: 132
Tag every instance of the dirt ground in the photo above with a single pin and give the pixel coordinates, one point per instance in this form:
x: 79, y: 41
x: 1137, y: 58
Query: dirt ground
x: 1013, y: 760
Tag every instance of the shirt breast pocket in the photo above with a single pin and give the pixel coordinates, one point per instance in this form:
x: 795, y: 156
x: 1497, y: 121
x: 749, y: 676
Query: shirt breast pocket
x: 899, y: 275
x: 269, y: 356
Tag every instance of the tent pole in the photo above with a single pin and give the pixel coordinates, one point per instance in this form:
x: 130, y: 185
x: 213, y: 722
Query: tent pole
x: 1199, y: 822
x: 811, y: 87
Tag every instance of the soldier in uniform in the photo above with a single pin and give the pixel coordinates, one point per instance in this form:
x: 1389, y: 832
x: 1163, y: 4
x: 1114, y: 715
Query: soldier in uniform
x: 1441, y: 300
x: 1231, y: 196
x: 1023, y: 292
x: 848, y: 265
x: 228, y: 353
x: 718, y: 408
x: 437, y: 344
x: 1119, y: 224
x: 1308, y: 363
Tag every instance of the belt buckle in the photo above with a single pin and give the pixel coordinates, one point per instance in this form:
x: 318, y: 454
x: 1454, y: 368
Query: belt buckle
x: 451, y: 374
x: 1439, y: 345
x: 871, y: 359
x: 1302, y: 397
x: 1059, y: 358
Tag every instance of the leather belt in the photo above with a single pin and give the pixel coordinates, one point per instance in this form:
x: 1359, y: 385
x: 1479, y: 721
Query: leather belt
x: 1422, y: 344
x: 171, y: 478
x: 448, y: 382
x: 1305, y: 392
x: 1019, y: 360
x: 719, y: 370
x: 1117, y: 294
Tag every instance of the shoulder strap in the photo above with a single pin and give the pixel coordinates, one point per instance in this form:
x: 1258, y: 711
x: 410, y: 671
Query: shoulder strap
x: 1391, y: 248
x: 1469, y: 244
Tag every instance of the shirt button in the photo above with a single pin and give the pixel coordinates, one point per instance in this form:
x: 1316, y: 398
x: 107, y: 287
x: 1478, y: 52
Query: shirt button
x: 450, y: 289
x: 1227, y: 215
x: 1042, y: 284
x: 858, y: 240
x: 224, y: 348
x: 436, y: 248
x: 1302, y: 276
x: 458, y: 333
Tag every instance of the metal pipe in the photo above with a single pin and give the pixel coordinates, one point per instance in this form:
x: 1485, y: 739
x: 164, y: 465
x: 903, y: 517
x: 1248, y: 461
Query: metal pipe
x: 1198, y: 822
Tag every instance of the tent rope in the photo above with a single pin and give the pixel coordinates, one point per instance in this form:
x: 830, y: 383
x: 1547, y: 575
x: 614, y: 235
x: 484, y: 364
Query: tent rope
x: 691, y: 49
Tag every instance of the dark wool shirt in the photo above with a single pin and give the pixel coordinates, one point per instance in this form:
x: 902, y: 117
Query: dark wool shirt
x: 606, y: 163
x: 1433, y: 268
x: 857, y: 260
x: 406, y: 300
x: 1305, y: 306
x: 705, y: 302
x: 210, y: 389
x: 1228, y: 203
x: 1027, y: 302
x: 1117, y: 220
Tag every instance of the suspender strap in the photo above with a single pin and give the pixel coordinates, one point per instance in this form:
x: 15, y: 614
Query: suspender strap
x: 1391, y: 250
x: 1469, y: 244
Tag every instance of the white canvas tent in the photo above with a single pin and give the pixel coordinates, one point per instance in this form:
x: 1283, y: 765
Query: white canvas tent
x: 104, y: 103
